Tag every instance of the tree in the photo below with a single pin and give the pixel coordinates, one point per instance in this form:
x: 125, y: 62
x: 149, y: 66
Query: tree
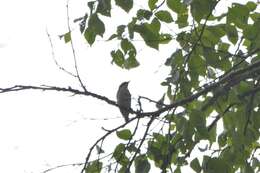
x: 212, y: 93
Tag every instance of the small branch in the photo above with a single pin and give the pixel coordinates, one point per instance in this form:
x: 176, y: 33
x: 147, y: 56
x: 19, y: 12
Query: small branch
x: 101, y: 139
x: 152, y: 101
x: 159, y: 6
x: 201, y: 33
x: 55, y: 88
x: 220, y: 116
x: 62, y: 166
x: 73, y: 50
x: 72, y: 164
x: 249, y: 109
x: 54, y: 59
x: 141, y: 143
x: 240, y: 62
x: 233, y: 78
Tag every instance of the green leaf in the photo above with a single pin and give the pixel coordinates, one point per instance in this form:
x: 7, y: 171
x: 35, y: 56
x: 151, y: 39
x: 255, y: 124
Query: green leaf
x: 215, y: 165
x: 181, y: 9
x: 223, y: 47
x: 255, y: 162
x: 124, y: 134
x: 222, y: 139
x: 141, y: 164
x: 131, y: 28
x: 165, y: 38
x: 255, y: 16
x: 132, y: 147
x: 126, y: 5
x: 248, y: 169
x: 176, y: 59
x: 238, y: 14
x: 113, y: 36
x: 150, y: 34
x: 251, y: 5
x: 177, y: 6
x: 217, y: 30
x: 212, y: 58
x: 201, y: 8
x: 118, y: 57
x: 123, y: 169
x: 251, y: 32
x: 155, y: 25
x: 152, y: 4
x: 119, y: 155
x: 232, y: 33
x: 67, y: 37
x: 131, y: 62
x: 96, y: 25
x: 164, y: 16
x: 94, y: 167
x: 104, y: 7
x: 127, y: 46
x: 212, y: 35
x: 130, y: 53
x: 177, y: 170
x: 195, y: 165
x: 90, y: 36
x: 213, y: 134
x: 198, y: 120
x: 197, y: 65
x: 144, y: 14
x: 182, y: 20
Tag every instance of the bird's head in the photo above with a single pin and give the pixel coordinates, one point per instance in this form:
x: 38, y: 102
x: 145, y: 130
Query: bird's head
x: 124, y: 84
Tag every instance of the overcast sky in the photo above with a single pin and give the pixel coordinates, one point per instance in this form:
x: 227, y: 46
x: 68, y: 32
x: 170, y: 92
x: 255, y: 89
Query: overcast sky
x: 40, y: 130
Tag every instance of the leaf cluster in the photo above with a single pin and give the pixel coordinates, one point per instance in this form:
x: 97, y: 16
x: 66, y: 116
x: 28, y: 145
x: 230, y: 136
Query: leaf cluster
x: 216, y: 56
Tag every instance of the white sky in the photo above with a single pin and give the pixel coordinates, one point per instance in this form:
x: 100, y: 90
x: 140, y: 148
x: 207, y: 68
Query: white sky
x: 39, y: 130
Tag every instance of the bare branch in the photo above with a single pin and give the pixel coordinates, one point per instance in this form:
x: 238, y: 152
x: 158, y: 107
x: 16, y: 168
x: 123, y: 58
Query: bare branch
x: 141, y: 143
x: 54, y: 59
x: 73, y: 50
x: 101, y: 139
x: 62, y: 166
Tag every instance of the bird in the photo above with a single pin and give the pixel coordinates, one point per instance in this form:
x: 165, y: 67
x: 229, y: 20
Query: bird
x: 124, y: 100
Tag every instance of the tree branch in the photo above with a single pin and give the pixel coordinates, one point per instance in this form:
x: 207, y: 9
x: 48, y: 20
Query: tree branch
x: 73, y: 50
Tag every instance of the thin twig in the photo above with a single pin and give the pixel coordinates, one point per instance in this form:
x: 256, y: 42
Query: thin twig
x: 152, y: 101
x: 62, y: 166
x: 220, y: 116
x: 101, y: 139
x: 73, y: 50
x: 141, y: 143
x: 201, y: 33
x: 249, y: 109
x: 55, y: 60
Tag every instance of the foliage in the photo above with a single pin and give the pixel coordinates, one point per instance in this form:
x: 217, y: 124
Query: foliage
x: 215, y: 70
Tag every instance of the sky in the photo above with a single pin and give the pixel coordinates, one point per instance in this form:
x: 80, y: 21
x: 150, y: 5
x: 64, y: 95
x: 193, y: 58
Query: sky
x: 41, y: 130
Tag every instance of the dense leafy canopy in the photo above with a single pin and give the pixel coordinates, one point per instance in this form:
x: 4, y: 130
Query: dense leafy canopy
x: 214, y: 80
